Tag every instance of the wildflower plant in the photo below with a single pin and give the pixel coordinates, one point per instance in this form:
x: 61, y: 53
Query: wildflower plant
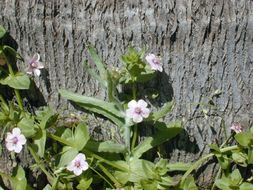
x: 72, y: 159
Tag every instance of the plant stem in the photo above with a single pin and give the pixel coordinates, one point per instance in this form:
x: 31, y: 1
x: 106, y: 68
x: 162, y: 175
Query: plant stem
x: 19, y: 100
x: 101, y: 176
x: 109, y: 175
x: 135, y: 132
x: 106, y: 161
x: 200, y: 161
x: 41, y: 166
x: 43, y: 169
x: 217, y: 176
x: 59, y: 139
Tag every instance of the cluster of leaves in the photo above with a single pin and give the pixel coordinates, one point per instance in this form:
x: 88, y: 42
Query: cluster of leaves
x: 54, y: 144
x: 232, y: 159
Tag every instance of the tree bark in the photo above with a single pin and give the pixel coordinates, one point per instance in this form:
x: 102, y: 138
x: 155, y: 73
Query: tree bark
x: 205, y: 45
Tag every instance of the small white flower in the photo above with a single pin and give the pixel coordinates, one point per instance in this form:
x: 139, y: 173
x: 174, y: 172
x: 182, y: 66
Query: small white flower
x: 236, y: 127
x: 78, y: 164
x: 155, y: 62
x: 15, y: 140
x: 35, y: 65
x: 137, y: 110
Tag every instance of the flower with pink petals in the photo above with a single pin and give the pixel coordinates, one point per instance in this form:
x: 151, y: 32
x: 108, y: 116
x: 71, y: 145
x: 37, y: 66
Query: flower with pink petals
x: 236, y: 127
x: 78, y: 164
x: 137, y: 110
x: 154, y: 62
x: 35, y: 65
x: 15, y: 140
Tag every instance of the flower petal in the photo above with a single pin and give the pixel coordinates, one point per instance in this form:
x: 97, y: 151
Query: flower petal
x: 21, y: 139
x: 78, y: 171
x: 137, y: 118
x: 132, y: 104
x: 36, y: 72
x: 141, y: 103
x: 16, y: 131
x: 145, y: 112
x: 17, y: 148
x: 9, y: 146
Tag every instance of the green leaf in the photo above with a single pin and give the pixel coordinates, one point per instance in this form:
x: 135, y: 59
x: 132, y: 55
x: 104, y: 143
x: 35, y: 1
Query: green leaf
x: 250, y: 155
x: 214, y: 148
x: 84, y: 184
x: 109, y: 110
x: 223, y: 183
x: 94, y: 74
x: 223, y: 161
x: 40, y: 142
x: 19, y: 182
x: 243, y: 139
x: 163, y: 111
x: 236, y: 177
x: 164, y: 133
x: 18, y: 81
x: 140, y: 170
x: 2, y: 31
x: 106, y: 146
x: 246, y: 186
x: 149, y: 184
x: 81, y: 136
x: 68, y: 155
x: 47, y: 187
x: 240, y: 158
x: 178, y: 166
x: 12, y: 52
x: 27, y: 126
x: 99, y: 64
x: 47, y: 117
x: 189, y: 184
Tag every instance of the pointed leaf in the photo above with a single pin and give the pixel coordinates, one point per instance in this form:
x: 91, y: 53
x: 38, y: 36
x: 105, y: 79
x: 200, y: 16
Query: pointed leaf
x: 19, y: 182
x: 2, y: 31
x: 40, y: 141
x: 163, y: 111
x: 109, y: 110
x: 68, y: 155
x: 27, y: 126
x: 81, y: 136
x: 19, y: 81
x: 164, y: 133
x: 99, y: 64
x: 107, y: 146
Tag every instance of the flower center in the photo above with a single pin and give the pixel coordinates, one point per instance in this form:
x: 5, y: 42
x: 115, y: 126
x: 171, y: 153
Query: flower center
x: 34, y: 65
x: 156, y: 61
x: 138, y: 110
x: 77, y: 164
x: 15, y: 140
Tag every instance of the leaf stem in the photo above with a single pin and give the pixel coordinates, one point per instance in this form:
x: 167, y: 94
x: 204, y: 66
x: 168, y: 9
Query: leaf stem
x: 109, y: 175
x: 105, y: 161
x: 19, y: 100
x: 201, y: 160
x: 101, y: 176
x: 135, y: 132
x: 41, y: 166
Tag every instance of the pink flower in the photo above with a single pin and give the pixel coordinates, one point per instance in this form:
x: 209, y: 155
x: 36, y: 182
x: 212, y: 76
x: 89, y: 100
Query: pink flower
x: 155, y: 62
x: 35, y: 65
x: 236, y: 127
x: 137, y: 110
x: 78, y: 164
x: 15, y: 140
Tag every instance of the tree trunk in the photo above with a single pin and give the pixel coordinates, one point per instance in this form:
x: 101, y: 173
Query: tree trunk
x: 206, y: 45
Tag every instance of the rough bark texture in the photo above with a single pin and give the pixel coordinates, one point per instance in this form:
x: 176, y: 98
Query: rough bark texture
x: 205, y: 44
